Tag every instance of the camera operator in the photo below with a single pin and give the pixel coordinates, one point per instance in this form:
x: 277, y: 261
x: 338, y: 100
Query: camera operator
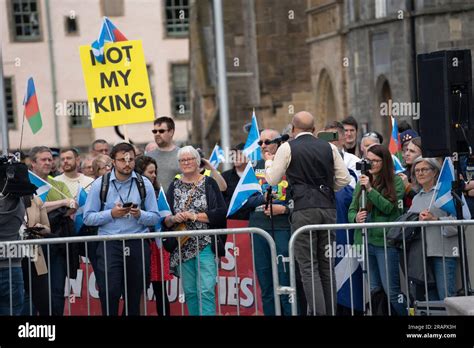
x: 384, y: 193
x: 314, y: 169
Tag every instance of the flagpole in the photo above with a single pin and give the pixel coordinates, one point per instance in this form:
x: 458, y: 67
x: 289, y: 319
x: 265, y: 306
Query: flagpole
x: 22, y: 126
x: 125, y: 133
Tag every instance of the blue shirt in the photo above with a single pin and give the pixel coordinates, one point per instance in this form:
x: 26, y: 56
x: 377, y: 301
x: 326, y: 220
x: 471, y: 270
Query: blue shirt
x: 128, y: 191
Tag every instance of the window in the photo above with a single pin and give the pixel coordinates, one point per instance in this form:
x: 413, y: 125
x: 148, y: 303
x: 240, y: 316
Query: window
x: 25, y: 20
x: 177, y: 17
x: 72, y: 26
x: 380, y: 8
x: 113, y: 8
x: 78, y: 113
x: 180, y: 102
x: 9, y: 102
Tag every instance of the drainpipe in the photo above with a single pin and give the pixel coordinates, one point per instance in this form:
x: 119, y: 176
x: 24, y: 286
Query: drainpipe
x: 53, y: 73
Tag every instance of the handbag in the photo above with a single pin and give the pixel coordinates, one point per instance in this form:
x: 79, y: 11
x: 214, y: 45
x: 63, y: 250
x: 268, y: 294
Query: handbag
x: 395, y: 234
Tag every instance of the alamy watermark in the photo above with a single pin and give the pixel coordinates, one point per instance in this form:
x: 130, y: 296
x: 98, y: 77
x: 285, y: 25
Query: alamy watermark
x: 14, y: 251
x: 353, y: 251
x: 400, y: 109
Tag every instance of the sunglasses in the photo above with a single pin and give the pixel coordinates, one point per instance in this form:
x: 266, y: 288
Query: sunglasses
x: 266, y: 142
x: 161, y: 131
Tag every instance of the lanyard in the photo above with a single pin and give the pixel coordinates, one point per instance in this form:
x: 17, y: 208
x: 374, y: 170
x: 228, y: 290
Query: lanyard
x: 129, y: 190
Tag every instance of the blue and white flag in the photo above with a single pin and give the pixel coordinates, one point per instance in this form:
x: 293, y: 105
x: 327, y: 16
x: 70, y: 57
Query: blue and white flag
x: 43, y: 186
x: 397, y: 165
x: 251, y: 148
x: 217, y: 156
x: 443, y: 198
x: 247, y: 186
x: 164, y: 210
x: 81, y: 199
x: 108, y: 33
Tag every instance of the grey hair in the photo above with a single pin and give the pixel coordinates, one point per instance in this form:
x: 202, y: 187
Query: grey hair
x: 189, y: 150
x: 432, y: 162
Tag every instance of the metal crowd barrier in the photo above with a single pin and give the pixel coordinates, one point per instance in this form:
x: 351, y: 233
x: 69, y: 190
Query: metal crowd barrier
x: 316, y: 231
x: 49, y: 242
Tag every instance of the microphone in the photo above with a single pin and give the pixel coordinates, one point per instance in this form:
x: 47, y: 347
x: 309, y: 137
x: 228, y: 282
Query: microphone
x: 280, y: 139
x: 269, y: 196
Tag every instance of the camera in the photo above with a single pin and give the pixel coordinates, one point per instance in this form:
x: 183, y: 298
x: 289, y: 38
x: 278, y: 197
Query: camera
x: 363, y: 166
x: 328, y: 136
x: 14, y: 178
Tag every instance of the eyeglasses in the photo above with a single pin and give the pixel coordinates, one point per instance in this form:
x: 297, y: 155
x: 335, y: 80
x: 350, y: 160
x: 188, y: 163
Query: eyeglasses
x: 185, y: 160
x: 161, y: 131
x: 266, y: 142
x: 375, y: 161
x: 107, y: 166
x: 371, y: 135
x: 422, y: 170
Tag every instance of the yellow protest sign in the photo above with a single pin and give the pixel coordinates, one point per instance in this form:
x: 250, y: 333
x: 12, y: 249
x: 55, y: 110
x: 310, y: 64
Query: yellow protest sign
x: 118, y: 91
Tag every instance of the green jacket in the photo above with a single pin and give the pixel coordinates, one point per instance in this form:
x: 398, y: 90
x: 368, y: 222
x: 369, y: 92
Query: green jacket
x: 382, y: 211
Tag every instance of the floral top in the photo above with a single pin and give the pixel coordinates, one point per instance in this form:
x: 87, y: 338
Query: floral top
x: 197, y: 205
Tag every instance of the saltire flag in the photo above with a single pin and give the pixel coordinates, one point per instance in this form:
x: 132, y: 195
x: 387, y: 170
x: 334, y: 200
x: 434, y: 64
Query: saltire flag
x: 217, y: 156
x: 81, y: 199
x: 108, y: 33
x: 32, y: 112
x: 347, y: 270
x: 397, y: 165
x: 251, y: 148
x: 395, y: 144
x: 43, y: 186
x: 164, y: 210
x: 443, y: 198
x: 247, y: 186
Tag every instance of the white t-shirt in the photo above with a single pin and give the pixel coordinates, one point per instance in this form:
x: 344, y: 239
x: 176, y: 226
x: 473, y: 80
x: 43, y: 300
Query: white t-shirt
x: 350, y: 161
x: 73, y: 184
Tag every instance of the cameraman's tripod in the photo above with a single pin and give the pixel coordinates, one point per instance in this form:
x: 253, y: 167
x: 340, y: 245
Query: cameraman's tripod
x: 365, y: 262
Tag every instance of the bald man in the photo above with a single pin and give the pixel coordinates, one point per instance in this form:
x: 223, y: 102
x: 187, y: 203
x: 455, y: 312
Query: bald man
x: 314, y: 170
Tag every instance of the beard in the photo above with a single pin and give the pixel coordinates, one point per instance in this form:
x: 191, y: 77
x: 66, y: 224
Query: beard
x: 70, y: 168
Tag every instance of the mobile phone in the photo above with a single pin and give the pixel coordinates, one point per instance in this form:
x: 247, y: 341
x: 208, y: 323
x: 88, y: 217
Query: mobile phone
x: 328, y: 136
x: 128, y: 205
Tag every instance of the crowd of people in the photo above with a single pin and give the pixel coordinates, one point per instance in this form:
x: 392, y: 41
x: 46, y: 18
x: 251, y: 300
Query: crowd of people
x: 311, y: 180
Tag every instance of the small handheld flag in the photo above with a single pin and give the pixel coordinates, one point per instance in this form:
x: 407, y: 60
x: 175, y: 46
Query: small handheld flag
x: 43, y: 187
x: 217, y: 156
x: 81, y: 202
x: 164, y: 210
x: 251, y: 148
x: 32, y: 112
x: 443, y: 197
x: 397, y: 165
x: 108, y: 33
x: 395, y: 144
x: 247, y: 186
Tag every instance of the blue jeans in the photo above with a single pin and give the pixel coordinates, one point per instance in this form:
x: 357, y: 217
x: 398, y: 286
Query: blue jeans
x: 263, y: 267
x: 378, y: 275
x: 58, y: 269
x: 16, y: 291
x: 200, y: 293
x: 451, y: 264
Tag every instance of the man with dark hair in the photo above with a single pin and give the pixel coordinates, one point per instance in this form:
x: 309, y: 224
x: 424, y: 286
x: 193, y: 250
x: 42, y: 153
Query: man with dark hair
x: 314, y: 170
x: 166, y: 155
x: 129, y: 207
x: 100, y: 146
x: 59, y: 202
x: 350, y: 132
x: 70, y: 162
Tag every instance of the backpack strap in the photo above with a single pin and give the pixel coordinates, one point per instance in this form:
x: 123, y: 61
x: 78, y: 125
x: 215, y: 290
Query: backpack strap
x: 104, y: 189
x: 141, y: 190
